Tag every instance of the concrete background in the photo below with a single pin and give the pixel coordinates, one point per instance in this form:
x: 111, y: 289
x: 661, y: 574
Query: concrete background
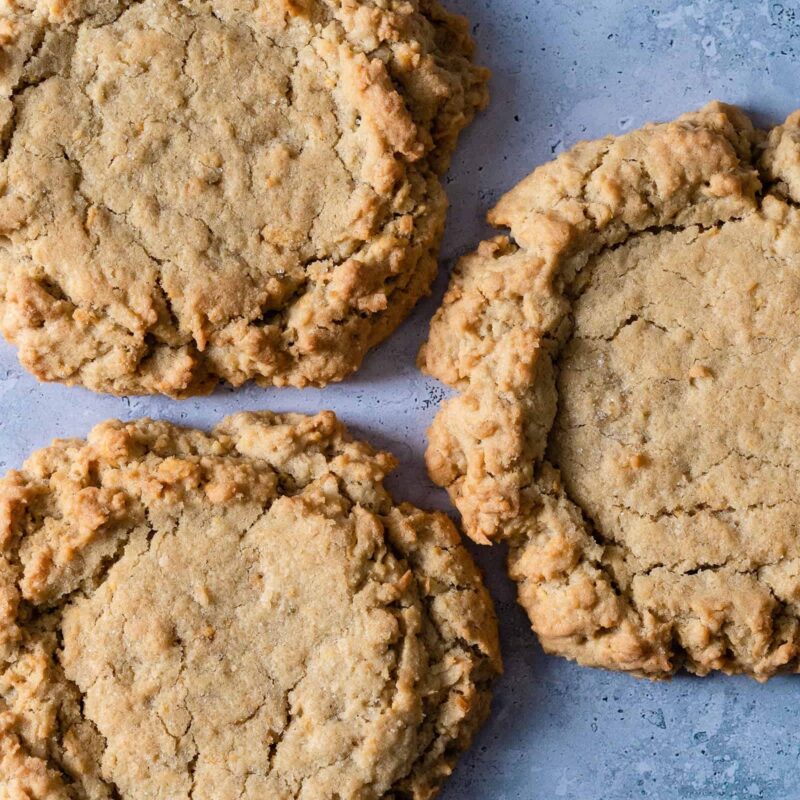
x: 562, y: 71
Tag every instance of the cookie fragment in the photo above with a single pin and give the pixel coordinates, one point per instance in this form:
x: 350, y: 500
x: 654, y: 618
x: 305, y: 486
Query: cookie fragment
x: 244, y: 613
x: 627, y: 414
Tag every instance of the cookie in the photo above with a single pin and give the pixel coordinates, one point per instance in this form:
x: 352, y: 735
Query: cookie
x: 221, y: 190
x: 241, y: 614
x: 628, y: 378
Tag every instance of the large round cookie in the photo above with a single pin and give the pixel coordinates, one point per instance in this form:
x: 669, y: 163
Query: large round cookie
x: 629, y: 378
x: 221, y: 189
x: 241, y: 614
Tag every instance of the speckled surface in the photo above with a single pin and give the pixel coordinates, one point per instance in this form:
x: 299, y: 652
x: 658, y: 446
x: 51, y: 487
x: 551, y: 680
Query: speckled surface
x: 562, y: 71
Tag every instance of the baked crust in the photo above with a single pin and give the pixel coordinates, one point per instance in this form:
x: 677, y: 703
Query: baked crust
x: 244, y: 613
x: 206, y: 191
x: 609, y: 355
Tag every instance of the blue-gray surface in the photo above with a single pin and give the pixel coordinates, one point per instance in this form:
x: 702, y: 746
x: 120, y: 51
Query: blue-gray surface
x: 562, y: 71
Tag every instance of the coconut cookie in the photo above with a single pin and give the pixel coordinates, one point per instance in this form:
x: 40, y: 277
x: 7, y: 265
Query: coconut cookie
x: 629, y: 378
x: 221, y: 190
x: 241, y: 614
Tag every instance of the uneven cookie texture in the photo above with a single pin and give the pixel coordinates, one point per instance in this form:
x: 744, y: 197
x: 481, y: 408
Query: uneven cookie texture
x: 628, y: 376
x: 241, y: 614
x: 221, y: 189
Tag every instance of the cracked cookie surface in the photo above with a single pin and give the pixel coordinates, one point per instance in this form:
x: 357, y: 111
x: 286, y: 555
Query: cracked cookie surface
x: 240, y: 614
x: 221, y: 190
x: 627, y: 417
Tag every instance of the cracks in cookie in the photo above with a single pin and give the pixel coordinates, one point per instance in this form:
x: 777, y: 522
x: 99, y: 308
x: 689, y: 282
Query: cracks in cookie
x: 191, y: 764
x: 724, y: 565
x: 191, y: 769
x: 108, y: 785
x: 430, y: 737
x: 480, y: 676
x: 576, y: 287
x: 596, y: 165
x: 9, y: 129
x: 699, y: 509
x: 593, y: 530
x: 196, y: 86
x: 277, y: 736
x: 626, y: 323
x: 54, y: 289
x: 77, y: 175
x: 124, y: 7
x: 442, y: 744
x: 151, y: 342
x: 40, y: 39
x: 57, y: 762
x: 267, y: 316
x: 290, y: 91
x: 519, y: 398
x: 435, y: 746
x: 601, y: 539
x: 783, y: 196
x: 99, y: 578
x: 679, y: 653
x: 262, y: 515
x: 781, y: 611
x: 168, y: 304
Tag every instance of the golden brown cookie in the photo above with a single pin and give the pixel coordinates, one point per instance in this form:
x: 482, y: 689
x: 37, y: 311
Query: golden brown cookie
x: 629, y: 378
x: 241, y: 614
x: 221, y: 190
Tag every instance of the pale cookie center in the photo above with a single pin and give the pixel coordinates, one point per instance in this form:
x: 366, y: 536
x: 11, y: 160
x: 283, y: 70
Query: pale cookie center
x: 244, y: 655
x: 678, y: 427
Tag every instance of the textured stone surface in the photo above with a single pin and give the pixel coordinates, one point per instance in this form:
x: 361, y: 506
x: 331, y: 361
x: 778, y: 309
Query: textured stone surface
x: 558, y: 730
